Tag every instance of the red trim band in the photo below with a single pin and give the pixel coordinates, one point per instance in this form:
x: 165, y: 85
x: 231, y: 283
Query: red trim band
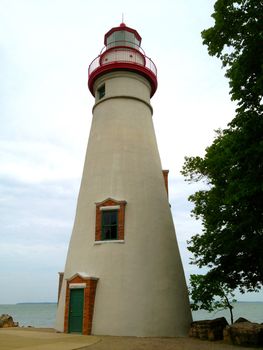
x: 132, y: 67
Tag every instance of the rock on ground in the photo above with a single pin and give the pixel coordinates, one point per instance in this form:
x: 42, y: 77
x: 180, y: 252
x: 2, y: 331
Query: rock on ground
x: 7, y: 321
x: 208, y: 329
x: 244, y: 334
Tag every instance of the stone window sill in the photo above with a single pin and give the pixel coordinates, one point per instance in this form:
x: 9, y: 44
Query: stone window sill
x: 109, y: 241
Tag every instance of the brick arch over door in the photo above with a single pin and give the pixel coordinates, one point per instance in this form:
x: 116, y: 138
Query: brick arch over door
x: 89, y: 285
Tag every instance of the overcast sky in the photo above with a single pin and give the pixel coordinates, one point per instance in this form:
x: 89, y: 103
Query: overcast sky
x: 46, y: 47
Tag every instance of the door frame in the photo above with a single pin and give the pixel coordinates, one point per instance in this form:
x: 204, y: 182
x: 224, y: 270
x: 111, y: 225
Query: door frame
x: 89, y: 285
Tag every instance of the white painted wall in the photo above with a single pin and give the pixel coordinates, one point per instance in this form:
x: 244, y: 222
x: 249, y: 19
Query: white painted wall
x: 141, y: 289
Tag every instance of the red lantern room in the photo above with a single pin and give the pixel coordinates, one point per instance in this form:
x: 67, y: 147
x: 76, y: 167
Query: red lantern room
x: 123, y: 51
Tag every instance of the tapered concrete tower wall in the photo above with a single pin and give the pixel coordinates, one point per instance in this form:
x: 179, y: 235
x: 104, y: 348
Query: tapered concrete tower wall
x: 141, y: 288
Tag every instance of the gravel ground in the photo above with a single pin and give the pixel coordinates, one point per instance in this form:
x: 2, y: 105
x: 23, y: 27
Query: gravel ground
x: 133, y: 343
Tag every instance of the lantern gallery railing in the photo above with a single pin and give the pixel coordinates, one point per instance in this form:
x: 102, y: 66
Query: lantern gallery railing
x: 122, y: 55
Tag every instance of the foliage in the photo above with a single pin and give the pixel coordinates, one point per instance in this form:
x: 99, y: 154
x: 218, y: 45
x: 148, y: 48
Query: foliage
x: 230, y: 206
x: 209, y: 294
x: 236, y: 38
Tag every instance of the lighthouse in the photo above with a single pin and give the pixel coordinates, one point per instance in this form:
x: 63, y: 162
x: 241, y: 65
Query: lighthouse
x: 123, y: 274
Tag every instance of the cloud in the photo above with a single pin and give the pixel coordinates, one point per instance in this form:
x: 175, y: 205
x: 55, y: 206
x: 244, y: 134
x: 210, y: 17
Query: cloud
x: 34, y: 161
x: 36, y: 220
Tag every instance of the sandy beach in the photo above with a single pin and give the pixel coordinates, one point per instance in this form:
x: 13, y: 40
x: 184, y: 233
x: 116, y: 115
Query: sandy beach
x: 48, y: 339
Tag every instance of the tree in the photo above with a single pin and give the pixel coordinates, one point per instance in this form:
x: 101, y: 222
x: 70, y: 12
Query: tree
x: 236, y: 38
x: 230, y: 207
x: 210, y: 295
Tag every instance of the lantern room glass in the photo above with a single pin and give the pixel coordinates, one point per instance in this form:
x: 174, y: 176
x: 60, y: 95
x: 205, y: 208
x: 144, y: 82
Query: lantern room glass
x: 122, y: 38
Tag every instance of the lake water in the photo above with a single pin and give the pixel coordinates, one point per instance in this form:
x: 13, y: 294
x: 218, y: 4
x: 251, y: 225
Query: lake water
x: 43, y: 315
x: 36, y: 315
x: 252, y: 311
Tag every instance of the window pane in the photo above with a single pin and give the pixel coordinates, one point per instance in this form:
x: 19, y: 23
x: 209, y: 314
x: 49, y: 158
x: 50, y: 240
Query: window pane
x: 106, y: 233
x: 110, y: 39
x: 114, y: 232
x: 101, y: 91
x: 105, y: 218
x: 129, y: 37
x: 119, y: 36
x: 109, y: 225
x: 113, y: 218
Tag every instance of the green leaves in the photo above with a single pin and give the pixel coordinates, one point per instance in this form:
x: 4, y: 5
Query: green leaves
x: 209, y: 294
x: 236, y: 38
x: 230, y: 206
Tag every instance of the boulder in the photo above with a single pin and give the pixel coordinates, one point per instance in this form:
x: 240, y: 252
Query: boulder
x: 244, y: 334
x: 208, y: 329
x: 241, y: 319
x: 7, y: 321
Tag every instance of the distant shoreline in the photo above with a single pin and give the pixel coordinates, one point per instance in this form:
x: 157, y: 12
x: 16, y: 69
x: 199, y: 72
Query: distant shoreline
x: 26, y: 303
x: 54, y: 302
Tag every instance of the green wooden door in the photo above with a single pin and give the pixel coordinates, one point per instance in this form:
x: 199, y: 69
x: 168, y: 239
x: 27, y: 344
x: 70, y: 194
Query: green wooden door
x: 76, y: 310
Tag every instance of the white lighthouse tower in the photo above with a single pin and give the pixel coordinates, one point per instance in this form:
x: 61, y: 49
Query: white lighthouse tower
x: 123, y: 274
